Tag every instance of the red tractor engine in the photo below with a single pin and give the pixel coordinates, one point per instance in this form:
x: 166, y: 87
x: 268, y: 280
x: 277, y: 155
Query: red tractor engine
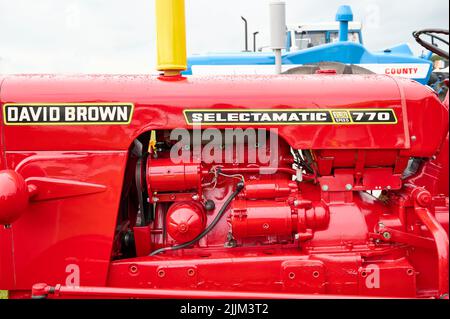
x: 261, y: 187
x: 269, y: 209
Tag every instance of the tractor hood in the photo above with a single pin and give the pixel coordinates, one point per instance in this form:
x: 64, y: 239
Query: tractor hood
x: 310, y: 112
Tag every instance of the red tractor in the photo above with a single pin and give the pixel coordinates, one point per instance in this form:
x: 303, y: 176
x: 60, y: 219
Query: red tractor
x: 290, y: 186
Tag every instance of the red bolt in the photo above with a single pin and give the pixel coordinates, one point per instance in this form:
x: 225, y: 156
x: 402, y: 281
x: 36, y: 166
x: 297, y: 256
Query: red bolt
x: 191, y: 272
x: 182, y: 228
x: 423, y: 198
x: 410, y: 272
x: 133, y: 269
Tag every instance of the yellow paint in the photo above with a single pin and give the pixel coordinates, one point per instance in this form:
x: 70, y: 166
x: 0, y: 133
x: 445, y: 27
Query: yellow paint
x: 152, y: 143
x: 3, y: 294
x: 171, y: 36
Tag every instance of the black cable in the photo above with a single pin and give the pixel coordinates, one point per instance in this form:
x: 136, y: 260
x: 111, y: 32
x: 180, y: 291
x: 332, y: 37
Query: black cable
x: 302, y: 162
x: 239, y: 188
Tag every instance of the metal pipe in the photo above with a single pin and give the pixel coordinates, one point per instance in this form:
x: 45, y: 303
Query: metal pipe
x: 58, y: 291
x: 245, y: 33
x: 171, y: 36
x: 344, y: 15
x: 278, y: 31
x: 278, y: 61
x: 343, y: 31
x: 254, y: 40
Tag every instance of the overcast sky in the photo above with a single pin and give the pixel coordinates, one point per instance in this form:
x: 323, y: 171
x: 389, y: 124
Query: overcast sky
x: 118, y: 36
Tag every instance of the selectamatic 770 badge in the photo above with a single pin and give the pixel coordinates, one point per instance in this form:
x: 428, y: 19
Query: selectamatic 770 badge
x: 290, y: 116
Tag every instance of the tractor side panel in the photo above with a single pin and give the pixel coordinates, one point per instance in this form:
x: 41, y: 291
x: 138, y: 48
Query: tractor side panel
x: 68, y: 229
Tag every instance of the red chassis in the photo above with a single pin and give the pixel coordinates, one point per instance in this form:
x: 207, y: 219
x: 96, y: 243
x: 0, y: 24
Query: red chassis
x: 77, y: 214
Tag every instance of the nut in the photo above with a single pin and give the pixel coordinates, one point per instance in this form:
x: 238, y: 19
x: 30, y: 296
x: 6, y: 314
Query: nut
x: 191, y: 272
x: 387, y: 235
x: 133, y: 269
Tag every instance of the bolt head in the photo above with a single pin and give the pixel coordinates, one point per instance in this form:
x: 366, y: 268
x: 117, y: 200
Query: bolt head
x: 183, y: 227
x: 325, y: 188
x: 191, y: 272
x: 348, y: 187
x: 133, y: 269
x: 424, y: 199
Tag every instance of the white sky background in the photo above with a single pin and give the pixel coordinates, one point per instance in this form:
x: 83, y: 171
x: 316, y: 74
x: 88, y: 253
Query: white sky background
x: 118, y: 36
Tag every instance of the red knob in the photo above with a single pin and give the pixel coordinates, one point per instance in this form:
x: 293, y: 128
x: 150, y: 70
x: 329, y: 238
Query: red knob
x: 13, y: 196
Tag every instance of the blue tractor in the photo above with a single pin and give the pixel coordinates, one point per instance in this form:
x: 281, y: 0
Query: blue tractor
x: 311, y: 48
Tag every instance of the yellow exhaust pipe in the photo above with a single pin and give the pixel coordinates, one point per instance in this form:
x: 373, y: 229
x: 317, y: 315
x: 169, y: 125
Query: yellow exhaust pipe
x: 171, y: 36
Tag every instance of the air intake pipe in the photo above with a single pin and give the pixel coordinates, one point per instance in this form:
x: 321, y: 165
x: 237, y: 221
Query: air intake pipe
x: 344, y: 15
x: 278, y: 31
x: 171, y: 36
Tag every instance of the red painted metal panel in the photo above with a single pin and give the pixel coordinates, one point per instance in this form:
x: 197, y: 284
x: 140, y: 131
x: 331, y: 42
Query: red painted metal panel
x: 54, y: 234
x: 159, y: 105
x: 319, y: 236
